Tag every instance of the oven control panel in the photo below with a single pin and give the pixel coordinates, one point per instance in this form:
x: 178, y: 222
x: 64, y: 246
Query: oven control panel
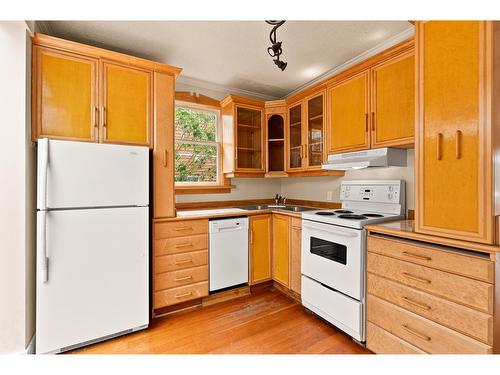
x: 380, y: 192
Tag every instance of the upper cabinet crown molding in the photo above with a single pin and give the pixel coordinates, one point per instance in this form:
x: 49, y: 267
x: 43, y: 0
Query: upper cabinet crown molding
x: 100, y: 53
x: 196, y: 98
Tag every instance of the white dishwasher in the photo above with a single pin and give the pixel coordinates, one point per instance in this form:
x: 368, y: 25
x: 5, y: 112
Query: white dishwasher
x: 228, y: 252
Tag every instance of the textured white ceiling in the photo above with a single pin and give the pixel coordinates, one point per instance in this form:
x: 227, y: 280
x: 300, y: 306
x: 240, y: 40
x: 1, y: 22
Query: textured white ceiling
x: 234, y: 53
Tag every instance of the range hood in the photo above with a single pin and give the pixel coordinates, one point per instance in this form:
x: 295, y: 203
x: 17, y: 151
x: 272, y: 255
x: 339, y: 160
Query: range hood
x: 379, y: 157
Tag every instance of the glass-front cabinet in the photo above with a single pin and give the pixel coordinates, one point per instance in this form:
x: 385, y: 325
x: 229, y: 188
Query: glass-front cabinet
x: 306, y: 133
x: 243, y: 133
x: 249, y: 138
x: 295, y: 143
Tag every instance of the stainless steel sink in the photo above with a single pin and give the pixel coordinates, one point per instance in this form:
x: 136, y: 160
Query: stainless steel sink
x: 297, y: 208
x: 254, y: 207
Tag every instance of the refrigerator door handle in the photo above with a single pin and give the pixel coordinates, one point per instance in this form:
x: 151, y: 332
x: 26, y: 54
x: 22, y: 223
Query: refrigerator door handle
x: 42, y: 245
x: 43, y: 145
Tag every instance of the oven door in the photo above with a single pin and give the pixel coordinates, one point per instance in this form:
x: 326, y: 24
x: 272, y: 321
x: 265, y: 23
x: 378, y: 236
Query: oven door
x: 334, y: 256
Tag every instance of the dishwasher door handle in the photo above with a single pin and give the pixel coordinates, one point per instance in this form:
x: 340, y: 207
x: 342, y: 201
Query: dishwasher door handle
x: 235, y: 227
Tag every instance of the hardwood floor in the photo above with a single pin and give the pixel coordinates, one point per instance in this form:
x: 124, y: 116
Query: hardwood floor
x: 265, y: 322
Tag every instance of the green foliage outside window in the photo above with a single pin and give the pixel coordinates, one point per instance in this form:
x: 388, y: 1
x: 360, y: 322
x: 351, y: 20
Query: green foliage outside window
x: 195, y: 161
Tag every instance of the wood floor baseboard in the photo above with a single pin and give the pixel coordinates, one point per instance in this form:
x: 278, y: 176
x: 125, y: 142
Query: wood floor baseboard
x: 287, y: 292
x: 225, y: 296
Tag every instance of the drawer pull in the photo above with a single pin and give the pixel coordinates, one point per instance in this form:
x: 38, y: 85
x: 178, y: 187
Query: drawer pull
x: 187, y: 244
x: 179, y: 262
x: 416, y: 278
x: 181, y: 228
x: 183, y: 278
x: 415, y: 333
x: 184, y: 295
x: 421, y: 305
x: 416, y: 256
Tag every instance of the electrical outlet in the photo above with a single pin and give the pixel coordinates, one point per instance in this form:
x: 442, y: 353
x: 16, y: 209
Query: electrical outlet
x: 329, y: 195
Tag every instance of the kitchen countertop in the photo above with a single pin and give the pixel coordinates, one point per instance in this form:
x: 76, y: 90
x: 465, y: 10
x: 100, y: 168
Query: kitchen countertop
x: 211, y: 213
x: 406, y: 229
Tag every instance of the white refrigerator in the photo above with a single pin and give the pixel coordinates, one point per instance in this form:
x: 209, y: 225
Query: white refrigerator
x: 92, y: 243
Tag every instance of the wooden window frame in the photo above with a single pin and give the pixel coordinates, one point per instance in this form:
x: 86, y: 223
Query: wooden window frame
x: 223, y: 184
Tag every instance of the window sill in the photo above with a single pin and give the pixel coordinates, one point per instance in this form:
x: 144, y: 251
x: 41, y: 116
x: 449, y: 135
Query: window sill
x: 207, y: 189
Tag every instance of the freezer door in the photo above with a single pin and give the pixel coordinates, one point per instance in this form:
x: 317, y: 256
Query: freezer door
x: 92, y: 275
x: 81, y: 174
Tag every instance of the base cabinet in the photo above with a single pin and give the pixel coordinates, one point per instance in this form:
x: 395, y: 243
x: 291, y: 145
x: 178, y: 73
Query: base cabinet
x: 425, y: 298
x: 295, y: 254
x: 281, y: 249
x: 180, y: 261
x: 260, y: 249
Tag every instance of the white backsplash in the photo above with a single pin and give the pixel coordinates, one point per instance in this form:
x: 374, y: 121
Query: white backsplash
x: 309, y: 188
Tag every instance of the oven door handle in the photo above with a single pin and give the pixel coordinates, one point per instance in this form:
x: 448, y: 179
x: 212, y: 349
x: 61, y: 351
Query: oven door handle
x: 332, y: 231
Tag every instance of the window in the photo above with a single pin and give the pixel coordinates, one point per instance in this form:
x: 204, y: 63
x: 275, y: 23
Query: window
x: 197, y: 146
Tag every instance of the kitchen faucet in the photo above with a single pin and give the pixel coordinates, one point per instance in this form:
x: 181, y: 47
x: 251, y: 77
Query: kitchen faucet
x: 277, y: 199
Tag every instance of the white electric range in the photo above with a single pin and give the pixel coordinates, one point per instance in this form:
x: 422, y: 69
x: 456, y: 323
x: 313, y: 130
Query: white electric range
x: 334, y: 251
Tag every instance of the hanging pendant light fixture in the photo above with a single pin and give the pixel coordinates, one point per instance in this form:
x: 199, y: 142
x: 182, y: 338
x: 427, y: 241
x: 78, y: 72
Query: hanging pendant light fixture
x: 275, y: 49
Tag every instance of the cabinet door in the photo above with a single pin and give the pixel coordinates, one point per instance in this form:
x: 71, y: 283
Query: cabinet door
x: 249, y: 138
x: 295, y: 257
x: 126, y: 105
x: 393, y: 102
x: 295, y: 144
x: 260, y: 248
x: 163, y: 152
x: 315, y: 131
x: 453, y: 157
x: 64, y: 95
x: 348, y: 117
x: 281, y: 249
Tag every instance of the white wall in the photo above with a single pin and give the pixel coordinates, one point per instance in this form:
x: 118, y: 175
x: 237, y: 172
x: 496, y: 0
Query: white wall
x: 308, y: 188
x: 246, y: 188
x: 316, y: 188
x: 16, y: 191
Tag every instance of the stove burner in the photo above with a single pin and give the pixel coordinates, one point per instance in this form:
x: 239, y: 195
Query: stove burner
x: 325, y: 213
x: 373, y: 215
x: 343, y: 212
x: 353, y: 217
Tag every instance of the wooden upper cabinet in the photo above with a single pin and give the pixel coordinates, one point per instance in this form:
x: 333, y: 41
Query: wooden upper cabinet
x: 126, y: 105
x: 454, y: 141
x: 64, y: 95
x: 85, y: 93
x: 163, y: 151
x: 315, y: 130
x: 260, y: 248
x: 281, y: 249
x: 393, y: 102
x: 295, y: 143
x: 243, y: 128
x: 349, y: 118
x: 306, y: 129
x: 249, y: 138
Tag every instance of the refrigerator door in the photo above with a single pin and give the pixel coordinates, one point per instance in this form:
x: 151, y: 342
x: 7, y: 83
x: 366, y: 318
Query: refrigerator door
x: 81, y: 174
x: 92, y: 275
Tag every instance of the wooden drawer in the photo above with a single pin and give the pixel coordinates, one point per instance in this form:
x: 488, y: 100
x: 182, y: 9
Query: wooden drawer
x: 460, y: 318
x: 382, y: 342
x: 435, y: 257
x: 465, y: 291
x: 180, y: 228
x: 176, y: 245
x: 176, y: 262
x: 181, y: 294
x: 178, y: 278
x: 420, y: 332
